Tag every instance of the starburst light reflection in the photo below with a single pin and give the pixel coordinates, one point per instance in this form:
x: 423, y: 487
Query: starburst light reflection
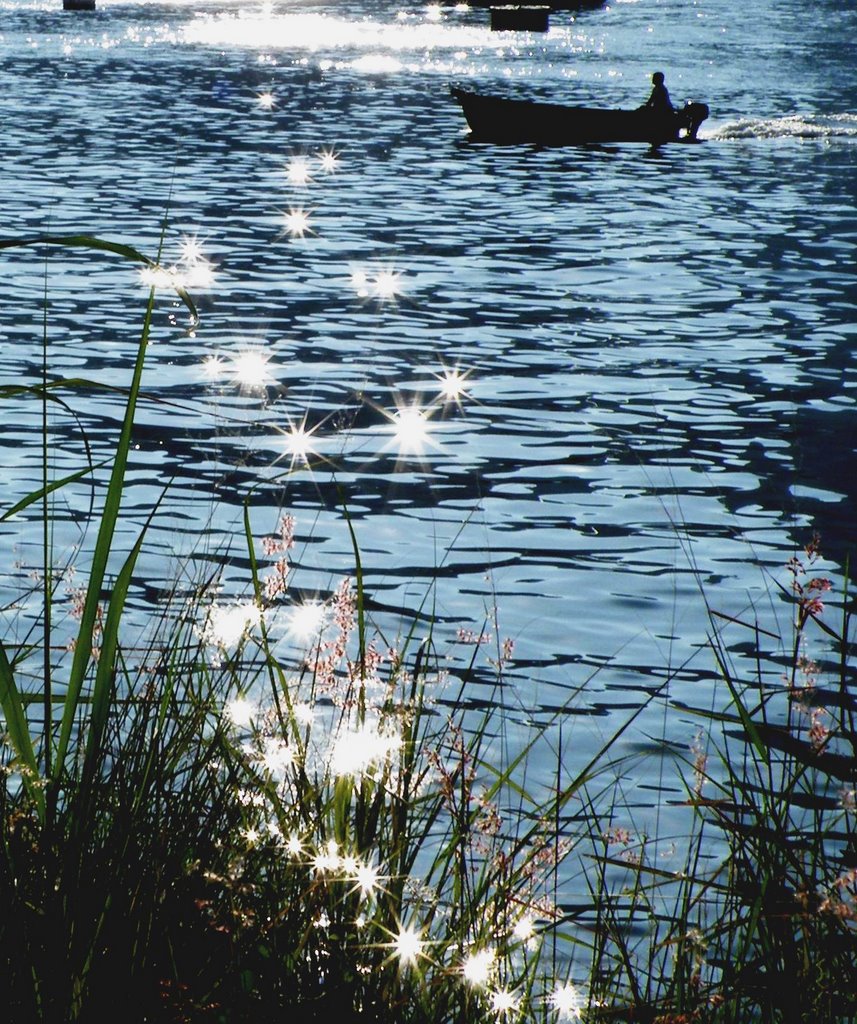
x: 240, y: 712
x: 504, y: 1002
x: 407, y: 946
x: 452, y: 385
x: 297, y: 222
x: 191, y: 250
x: 298, y: 442
x: 411, y: 429
x: 524, y: 929
x: 355, y: 751
x: 298, y: 171
x: 477, y: 967
x: 265, y: 100
x: 226, y: 626
x: 366, y: 877
x: 328, y: 160
x: 250, y: 369
x: 212, y: 367
x: 305, y: 620
x: 387, y: 284
x: 303, y: 712
x: 276, y: 756
x: 568, y: 1001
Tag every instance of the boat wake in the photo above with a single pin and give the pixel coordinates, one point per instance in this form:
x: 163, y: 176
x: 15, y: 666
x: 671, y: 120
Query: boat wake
x: 795, y: 126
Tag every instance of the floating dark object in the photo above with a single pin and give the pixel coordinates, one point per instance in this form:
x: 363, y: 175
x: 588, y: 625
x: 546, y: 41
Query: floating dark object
x: 513, y: 18
x: 501, y: 120
x: 78, y: 5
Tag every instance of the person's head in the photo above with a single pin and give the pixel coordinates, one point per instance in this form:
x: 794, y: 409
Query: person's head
x: 658, y: 78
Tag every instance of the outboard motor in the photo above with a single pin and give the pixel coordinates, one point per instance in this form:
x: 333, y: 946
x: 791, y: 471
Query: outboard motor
x: 692, y: 116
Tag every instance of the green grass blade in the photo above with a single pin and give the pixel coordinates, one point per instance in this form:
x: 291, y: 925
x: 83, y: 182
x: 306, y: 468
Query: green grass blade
x: 109, y: 646
x: 127, y: 252
x: 18, y: 728
x: 103, y: 545
x: 55, y: 485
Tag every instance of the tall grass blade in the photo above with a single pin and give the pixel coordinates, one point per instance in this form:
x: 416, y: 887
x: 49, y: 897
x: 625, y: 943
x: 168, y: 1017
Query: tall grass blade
x: 18, y: 728
x: 44, y: 491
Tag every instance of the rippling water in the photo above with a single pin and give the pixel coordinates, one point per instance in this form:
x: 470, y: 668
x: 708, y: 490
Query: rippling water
x: 659, y: 346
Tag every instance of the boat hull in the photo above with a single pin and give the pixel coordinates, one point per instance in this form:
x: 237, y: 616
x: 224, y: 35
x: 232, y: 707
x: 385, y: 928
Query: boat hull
x: 509, y: 121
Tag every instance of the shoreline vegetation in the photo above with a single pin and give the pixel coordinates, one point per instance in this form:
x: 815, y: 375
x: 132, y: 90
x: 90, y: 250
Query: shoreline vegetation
x: 196, y: 827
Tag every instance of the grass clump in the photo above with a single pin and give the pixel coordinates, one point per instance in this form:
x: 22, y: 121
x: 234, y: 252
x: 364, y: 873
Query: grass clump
x: 193, y: 828
x: 760, y: 925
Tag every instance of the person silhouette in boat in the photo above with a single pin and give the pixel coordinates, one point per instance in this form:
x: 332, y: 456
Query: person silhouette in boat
x: 659, y: 101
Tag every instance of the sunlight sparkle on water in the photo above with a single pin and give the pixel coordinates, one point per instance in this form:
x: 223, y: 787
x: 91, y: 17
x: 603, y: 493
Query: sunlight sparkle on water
x: 306, y: 620
x: 328, y: 160
x: 355, y: 751
x: 213, y: 367
x: 297, y: 222
x: 250, y: 369
x: 568, y: 1000
x: 408, y: 946
x: 227, y: 625
x: 265, y: 100
x: 366, y: 877
x: 387, y: 284
x: 452, y: 385
x: 411, y: 429
x: 297, y: 441
x: 298, y: 171
x: 477, y: 967
x: 303, y: 712
x: 240, y: 712
x: 504, y: 1002
x: 276, y: 756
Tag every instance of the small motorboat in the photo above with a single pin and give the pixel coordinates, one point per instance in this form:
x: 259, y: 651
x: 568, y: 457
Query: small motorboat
x: 508, y: 121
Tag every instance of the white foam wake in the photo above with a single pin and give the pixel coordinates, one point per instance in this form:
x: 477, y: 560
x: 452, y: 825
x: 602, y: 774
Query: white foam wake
x: 794, y: 126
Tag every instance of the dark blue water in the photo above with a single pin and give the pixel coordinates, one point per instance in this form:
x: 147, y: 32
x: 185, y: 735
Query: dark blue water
x: 659, y: 347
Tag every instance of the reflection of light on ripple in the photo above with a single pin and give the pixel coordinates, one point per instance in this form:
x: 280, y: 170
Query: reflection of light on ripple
x: 316, y: 31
